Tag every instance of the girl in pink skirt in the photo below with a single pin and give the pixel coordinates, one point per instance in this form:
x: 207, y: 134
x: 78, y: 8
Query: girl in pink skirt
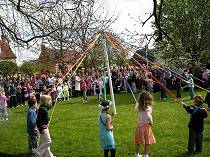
x: 143, y: 134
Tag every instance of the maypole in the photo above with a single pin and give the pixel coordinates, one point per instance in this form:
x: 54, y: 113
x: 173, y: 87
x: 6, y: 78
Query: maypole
x: 109, y: 75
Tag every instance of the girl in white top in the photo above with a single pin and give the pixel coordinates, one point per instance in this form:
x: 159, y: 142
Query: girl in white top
x: 100, y: 85
x: 77, y: 84
x: 143, y: 133
x: 66, y: 91
x: 60, y: 92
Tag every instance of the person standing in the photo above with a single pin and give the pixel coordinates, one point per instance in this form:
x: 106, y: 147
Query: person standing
x: 207, y: 99
x: 83, y: 86
x: 77, y: 84
x: 106, y: 130
x: 143, y: 132
x: 33, y: 135
x: 66, y: 91
x: 42, y: 124
x: 196, y: 125
x: 3, y: 105
x: 191, y: 87
x: 162, y: 88
x: 69, y: 82
x: 178, y: 84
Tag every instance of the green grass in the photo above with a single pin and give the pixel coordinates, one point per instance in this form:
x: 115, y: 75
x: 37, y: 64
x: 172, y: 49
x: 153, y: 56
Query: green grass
x: 74, y: 129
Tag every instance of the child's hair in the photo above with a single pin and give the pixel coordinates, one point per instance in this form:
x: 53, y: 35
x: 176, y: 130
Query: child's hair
x: 1, y: 90
x: 144, y: 100
x: 105, y: 104
x: 31, y: 101
x: 198, y: 100
x: 45, y: 99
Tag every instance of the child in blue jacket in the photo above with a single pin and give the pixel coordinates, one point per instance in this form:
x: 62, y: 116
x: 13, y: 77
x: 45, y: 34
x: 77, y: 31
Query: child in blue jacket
x: 196, y: 124
x: 33, y: 135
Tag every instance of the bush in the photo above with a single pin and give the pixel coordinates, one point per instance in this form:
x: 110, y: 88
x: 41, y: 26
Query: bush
x: 8, y: 67
x: 28, y: 68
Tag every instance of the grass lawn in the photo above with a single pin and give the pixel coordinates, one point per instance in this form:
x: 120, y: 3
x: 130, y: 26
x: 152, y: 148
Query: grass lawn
x: 74, y: 129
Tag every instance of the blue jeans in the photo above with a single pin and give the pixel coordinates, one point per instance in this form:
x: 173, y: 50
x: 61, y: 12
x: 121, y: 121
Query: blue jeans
x: 33, y: 140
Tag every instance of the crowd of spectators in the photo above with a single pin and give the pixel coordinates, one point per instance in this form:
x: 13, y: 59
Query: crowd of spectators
x: 90, y: 82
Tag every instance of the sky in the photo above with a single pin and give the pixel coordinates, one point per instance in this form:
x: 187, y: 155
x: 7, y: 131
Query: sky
x: 128, y: 9
x: 125, y: 10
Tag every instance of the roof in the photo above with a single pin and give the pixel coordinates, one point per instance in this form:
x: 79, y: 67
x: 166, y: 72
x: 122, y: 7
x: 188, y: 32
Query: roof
x: 146, y: 55
x: 49, y: 55
x: 6, y: 53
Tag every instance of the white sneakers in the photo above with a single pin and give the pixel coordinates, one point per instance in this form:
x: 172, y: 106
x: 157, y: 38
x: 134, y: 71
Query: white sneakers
x: 36, y: 154
x: 3, y: 119
x: 137, y: 155
x: 144, y: 155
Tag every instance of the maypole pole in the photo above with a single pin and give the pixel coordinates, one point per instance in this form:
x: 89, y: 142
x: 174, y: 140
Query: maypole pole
x: 109, y: 75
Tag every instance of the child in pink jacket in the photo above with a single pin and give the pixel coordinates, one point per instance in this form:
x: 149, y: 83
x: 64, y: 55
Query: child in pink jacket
x: 3, y: 105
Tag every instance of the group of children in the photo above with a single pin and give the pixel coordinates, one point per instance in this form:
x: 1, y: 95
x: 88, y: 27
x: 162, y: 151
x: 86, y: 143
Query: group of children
x: 143, y: 132
x: 38, y: 121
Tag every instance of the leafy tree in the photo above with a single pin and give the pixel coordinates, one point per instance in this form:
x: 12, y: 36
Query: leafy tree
x: 28, y: 68
x: 8, y: 67
x: 186, y: 25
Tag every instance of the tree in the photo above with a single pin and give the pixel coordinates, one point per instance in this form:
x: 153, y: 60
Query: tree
x: 60, y: 23
x: 21, y: 20
x: 8, y: 68
x: 69, y: 22
x: 28, y: 68
x: 187, y: 25
x: 182, y: 31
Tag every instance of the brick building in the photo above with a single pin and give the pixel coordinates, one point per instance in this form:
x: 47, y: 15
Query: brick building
x: 52, y: 58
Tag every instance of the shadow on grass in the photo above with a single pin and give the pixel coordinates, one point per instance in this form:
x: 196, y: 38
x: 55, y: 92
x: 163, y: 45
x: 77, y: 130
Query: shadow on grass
x: 182, y: 154
x: 14, y: 155
x: 207, y: 139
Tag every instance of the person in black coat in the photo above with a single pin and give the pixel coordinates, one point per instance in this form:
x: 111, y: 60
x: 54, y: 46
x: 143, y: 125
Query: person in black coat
x: 42, y: 123
x: 196, y: 124
x: 163, y: 95
x: 178, y: 88
x: 207, y: 100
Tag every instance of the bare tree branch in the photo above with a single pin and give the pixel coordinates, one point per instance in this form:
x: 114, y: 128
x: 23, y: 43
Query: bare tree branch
x: 18, y: 5
x: 143, y: 23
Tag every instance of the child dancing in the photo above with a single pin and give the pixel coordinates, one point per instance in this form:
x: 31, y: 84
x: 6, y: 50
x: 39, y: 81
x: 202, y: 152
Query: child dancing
x: 33, y: 135
x: 42, y: 124
x: 143, y: 133
x: 196, y: 125
x: 106, y: 130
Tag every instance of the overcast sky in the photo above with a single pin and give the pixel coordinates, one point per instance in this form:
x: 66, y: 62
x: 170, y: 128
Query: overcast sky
x: 134, y: 8
x: 122, y: 9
